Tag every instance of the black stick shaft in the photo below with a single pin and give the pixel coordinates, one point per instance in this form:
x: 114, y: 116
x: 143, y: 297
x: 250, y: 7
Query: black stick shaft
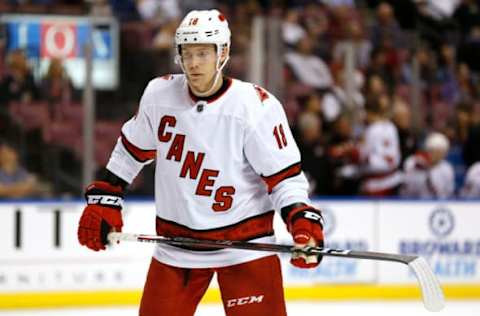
x: 219, y: 244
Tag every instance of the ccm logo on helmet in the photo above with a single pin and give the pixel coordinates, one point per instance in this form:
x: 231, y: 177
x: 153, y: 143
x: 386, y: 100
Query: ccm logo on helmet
x: 244, y: 300
x: 105, y: 200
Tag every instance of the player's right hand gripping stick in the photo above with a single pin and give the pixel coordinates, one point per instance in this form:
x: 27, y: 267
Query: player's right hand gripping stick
x: 101, y: 215
x: 305, y: 223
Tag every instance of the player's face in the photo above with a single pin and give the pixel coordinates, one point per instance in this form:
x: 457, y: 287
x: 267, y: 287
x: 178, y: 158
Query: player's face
x: 437, y: 155
x: 199, y: 61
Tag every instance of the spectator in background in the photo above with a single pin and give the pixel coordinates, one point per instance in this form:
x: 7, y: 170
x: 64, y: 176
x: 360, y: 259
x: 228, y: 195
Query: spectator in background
x: 56, y: 86
x: 292, y: 31
x: 18, y: 84
x: 308, y: 68
x: 468, y: 51
x: 313, y: 153
x: 159, y: 12
x: 375, y: 87
x: 460, y: 124
x: 381, y: 66
x: 361, y: 46
x: 15, y: 181
x: 343, y: 158
x: 317, y: 22
x: 163, y: 49
x: 427, y: 68
x: 471, y: 187
x: 427, y: 174
x: 402, y: 118
x: 385, y: 27
x: 467, y: 15
x: 467, y: 82
x: 446, y: 74
x: 356, y: 101
x: 432, y: 22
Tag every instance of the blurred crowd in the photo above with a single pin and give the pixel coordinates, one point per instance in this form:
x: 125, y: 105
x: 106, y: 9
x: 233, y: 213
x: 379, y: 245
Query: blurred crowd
x: 405, y: 122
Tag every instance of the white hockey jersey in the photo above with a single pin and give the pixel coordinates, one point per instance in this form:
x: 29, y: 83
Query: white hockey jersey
x: 211, y: 157
x: 380, y: 153
x: 420, y: 180
x: 471, y: 187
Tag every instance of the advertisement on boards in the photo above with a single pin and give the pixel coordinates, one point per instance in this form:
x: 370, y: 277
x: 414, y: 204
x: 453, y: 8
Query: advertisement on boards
x: 40, y: 250
x: 446, y: 234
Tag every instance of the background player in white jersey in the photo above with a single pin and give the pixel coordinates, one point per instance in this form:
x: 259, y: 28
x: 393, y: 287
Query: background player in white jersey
x: 426, y: 173
x: 471, y: 187
x: 225, y: 161
x: 379, y: 154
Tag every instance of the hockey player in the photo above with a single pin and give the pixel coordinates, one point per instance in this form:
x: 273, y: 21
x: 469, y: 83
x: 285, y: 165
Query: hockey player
x: 471, y: 187
x: 225, y: 160
x: 426, y: 173
x: 379, y: 153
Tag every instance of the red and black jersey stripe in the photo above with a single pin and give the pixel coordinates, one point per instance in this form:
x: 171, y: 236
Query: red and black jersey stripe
x: 140, y: 155
x: 250, y: 228
x: 274, y: 179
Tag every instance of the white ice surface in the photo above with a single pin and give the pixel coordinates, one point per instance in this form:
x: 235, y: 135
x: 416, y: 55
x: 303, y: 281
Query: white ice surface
x: 452, y: 308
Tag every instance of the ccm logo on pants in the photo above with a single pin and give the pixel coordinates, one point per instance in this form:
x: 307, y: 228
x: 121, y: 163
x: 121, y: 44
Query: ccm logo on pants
x: 244, y: 300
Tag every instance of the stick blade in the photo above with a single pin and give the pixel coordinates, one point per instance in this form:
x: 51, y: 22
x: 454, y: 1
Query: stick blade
x: 432, y: 293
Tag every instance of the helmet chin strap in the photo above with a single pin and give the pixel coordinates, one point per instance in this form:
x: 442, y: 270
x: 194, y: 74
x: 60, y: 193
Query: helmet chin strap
x: 218, y: 68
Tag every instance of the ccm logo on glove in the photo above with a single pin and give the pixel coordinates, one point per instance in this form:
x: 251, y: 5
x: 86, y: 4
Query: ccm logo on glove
x: 106, y: 200
x: 101, y: 216
x: 314, y: 216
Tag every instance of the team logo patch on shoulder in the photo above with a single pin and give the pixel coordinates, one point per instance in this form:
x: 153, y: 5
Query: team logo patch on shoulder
x: 167, y: 77
x: 262, y: 94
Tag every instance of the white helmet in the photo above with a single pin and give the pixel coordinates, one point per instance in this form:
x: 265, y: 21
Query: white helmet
x: 437, y: 141
x: 203, y: 27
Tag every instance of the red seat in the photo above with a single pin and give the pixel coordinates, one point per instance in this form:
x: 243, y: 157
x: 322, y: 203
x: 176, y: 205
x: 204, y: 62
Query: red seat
x: 63, y: 134
x: 31, y: 115
x: 69, y: 112
x: 106, y: 135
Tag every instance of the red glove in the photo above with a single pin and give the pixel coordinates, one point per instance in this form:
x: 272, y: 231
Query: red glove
x: 305, y: 223
x: 102, y: 214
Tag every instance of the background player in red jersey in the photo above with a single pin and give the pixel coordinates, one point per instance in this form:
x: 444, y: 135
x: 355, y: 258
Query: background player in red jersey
x: 214, y: 140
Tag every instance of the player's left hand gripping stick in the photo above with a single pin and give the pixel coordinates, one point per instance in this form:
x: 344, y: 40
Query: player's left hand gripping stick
x: 305, y: 223
x: 101, y: 215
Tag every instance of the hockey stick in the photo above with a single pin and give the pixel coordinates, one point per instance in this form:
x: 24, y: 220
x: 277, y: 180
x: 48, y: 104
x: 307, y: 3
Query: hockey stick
x: 432, y: 293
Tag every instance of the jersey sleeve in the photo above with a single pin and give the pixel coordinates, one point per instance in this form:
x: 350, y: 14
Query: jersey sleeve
x: 272, y: 152
x: 136, y: 145
x: 381, y: 152
x: 442, y: 181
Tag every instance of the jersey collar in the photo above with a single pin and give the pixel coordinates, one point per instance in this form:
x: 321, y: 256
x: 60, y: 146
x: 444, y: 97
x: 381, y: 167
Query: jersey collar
x: 227, y: 82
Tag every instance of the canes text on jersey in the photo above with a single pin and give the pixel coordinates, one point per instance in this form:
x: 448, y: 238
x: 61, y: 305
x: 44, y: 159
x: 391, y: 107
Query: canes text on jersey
x: 192, y: 164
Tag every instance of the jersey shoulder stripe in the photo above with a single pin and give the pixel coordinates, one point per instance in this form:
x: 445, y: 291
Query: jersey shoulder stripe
x: 262, y: 93
x: 288, y: 172
x: 140, y: 155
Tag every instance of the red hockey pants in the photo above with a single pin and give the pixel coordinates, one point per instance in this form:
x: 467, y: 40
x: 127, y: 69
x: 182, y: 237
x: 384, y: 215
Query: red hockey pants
x: 249, y: 289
